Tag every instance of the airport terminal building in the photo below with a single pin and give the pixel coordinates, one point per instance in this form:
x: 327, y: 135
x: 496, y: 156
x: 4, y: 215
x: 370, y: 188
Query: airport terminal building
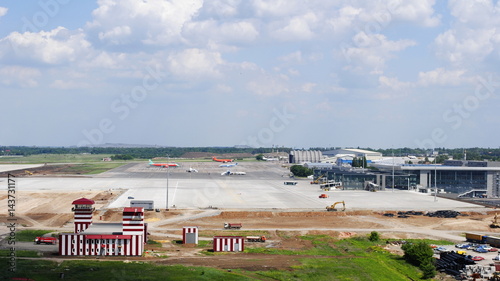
x: 455, y: 176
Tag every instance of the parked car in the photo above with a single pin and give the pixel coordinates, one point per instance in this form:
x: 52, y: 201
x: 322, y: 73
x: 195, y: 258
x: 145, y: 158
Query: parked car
x: 493, y: 250
x: 477, y: 258
x: 462, y: 252
x: 441, y: 249
x: 480, y: 250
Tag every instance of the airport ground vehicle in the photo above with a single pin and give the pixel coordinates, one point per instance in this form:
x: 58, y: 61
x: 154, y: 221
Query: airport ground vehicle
x: 232, y: 225
x: 323, y: 196
x: 290, y: 183
x: 46, y: 240
x: 332, y: 207
x: 256, y: 238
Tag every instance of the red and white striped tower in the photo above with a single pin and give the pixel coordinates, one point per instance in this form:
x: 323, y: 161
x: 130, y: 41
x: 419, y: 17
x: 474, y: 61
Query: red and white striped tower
x: 83, y: 213
x: 133, y: 221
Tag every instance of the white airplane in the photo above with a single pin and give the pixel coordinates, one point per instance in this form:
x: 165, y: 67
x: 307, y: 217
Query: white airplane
x: 228, y: 165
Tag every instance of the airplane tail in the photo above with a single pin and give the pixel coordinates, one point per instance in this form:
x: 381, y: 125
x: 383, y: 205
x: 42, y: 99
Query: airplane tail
x: 150, y: 162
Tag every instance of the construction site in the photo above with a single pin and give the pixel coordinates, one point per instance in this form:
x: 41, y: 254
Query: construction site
x: 260, y: 203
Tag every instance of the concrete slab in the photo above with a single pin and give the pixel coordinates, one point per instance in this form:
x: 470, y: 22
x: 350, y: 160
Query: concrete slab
x: 13, y: 167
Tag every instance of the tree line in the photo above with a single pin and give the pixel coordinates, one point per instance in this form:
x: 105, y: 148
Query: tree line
x: 135, y: 152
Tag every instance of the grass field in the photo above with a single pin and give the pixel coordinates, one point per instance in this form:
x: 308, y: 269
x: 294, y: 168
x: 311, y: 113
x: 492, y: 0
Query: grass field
x: 326, y: 259
x: 28, y: 235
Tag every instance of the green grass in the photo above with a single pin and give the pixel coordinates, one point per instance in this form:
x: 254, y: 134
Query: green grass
x: 29, y: 235
x: 55, y: 158
x: 110, y: 270
x: 19, y: 253
x: 355, y: 258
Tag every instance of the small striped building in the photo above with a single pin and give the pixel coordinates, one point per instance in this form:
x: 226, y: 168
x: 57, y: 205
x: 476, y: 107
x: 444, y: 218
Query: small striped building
x: 229, y: 244
x: 190, y: 235
x: 104, y: 239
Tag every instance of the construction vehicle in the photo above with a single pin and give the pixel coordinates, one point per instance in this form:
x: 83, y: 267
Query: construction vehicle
x: 332, y: 207
x: 256, y: 238
x: 494, y: 223
x: 45, y: 240
x: 28, y: 172
x: 232, y: 225
x: 323, y: 196
x: 316, y: 181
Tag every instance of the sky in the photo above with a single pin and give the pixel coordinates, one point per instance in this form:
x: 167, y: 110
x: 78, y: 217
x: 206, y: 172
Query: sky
x: 379, y: 74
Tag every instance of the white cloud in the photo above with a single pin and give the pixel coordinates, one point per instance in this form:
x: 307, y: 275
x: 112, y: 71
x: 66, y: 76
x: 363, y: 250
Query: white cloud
x: 441, y: 76
x: 308, y: 87
x: 372, y: 51
x: 3, y: 11
x: 195, y: 63
x: 393, y: 83
x: 473, y: 35
x: 203, y: 32
x: 66, y: 84
x: 52, y: 47
x: 297, y: 28
x: 19, y: 76
x: 152, y: 22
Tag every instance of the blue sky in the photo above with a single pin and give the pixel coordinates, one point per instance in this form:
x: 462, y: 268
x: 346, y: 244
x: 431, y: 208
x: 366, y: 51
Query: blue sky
x: 299, y: 74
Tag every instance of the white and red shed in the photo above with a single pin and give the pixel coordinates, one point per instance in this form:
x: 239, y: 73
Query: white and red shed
x: 229, y: 244
x: 190, y: 235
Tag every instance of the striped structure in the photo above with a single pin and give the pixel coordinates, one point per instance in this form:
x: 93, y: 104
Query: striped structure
x: 104, y: 239
x: 72, y: 244
x: 190, y: 235
x: 133, y: 221
x: 229, y: 244
x: 83, y: 213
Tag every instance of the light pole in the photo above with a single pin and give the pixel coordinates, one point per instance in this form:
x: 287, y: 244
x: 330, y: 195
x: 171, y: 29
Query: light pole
x: 168, y: 174
x: 435, y: 179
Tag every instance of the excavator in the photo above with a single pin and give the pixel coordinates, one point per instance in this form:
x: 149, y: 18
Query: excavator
x: 316, y: 181
x: 494, y: 223
x: 333, y: 209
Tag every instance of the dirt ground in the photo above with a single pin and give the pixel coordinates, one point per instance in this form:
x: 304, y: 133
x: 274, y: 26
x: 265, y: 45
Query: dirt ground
x: 52, y: 210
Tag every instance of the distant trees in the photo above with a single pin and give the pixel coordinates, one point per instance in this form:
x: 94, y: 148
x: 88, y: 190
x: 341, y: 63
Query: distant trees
x: 301, y: 171
x: 359, y: 162
x: 122, y: 157
x: 259, y: 157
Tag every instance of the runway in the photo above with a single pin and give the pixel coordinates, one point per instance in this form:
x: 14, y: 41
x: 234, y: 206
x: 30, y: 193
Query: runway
x: 261, y: 188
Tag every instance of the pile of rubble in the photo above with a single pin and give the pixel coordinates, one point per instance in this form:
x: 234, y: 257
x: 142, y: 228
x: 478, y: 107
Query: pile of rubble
x: 444, y: 214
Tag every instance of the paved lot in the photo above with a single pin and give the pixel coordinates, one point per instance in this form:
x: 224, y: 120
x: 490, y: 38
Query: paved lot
x: 261, y: 187
x: 13, y: 167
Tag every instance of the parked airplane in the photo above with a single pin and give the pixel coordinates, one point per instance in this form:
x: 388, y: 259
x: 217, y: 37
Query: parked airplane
x: 163, y: 165
x: 222, y: 160
x: 228, y: 165
x: 229, y: 173
x: 191, y: 170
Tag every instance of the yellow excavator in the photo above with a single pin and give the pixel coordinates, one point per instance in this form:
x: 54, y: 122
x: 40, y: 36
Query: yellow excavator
x: 316, y: 181
x: 333, y: 209
x: 494, y: 223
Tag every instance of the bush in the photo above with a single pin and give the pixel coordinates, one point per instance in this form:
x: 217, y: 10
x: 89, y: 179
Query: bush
x: 300, y: 171
x: 374, y: 236
x: 420, y: 254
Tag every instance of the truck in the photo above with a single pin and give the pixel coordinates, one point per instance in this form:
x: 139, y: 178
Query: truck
x: 323, y: 196
x: 46, y: 240
x: 256, y: 238
x: 232, y: 225
x: 475, y: 238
